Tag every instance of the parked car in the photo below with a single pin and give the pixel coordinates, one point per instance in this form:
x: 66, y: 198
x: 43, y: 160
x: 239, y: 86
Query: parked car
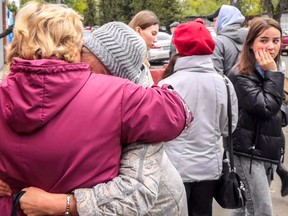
x: 212, y: 31
x: 160, y: 51
x: 86, y: 33
x: 284, y: 43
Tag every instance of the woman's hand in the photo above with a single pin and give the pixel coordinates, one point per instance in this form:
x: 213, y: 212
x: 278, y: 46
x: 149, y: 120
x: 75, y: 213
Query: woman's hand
x: 5, y: 190
x: 37, y: 202
x: 265, y: 60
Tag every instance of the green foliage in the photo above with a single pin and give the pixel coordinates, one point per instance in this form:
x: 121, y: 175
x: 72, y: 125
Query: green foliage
x: 275, y: 8
x: 123, y: 10
x: 78, y: 5
x: 203, y: 7
x: 12, y: 6
x: 90, y: 13
x: 251, y: 7
x: 168, y: 11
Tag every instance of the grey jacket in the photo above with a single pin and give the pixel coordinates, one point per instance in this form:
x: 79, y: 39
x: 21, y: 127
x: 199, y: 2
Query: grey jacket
x: 196, y: 152
x: 148, y: 184
x: 230, y: 38
x: 229, y: 42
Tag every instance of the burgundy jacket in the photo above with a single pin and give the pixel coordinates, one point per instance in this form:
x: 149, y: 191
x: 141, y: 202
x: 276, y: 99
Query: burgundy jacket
x: 61, y: 127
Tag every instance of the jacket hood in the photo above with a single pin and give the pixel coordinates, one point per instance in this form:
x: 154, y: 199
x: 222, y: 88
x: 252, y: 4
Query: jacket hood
x: 229, y: 15
x: 236, y: 33
x: 36, y: 90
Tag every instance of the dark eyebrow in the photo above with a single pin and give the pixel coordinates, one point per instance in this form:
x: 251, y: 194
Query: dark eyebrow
x: 263, y: 37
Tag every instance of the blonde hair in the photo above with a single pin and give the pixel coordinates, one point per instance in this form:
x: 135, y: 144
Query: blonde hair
x: 144, y: 19
x: 45, y: 30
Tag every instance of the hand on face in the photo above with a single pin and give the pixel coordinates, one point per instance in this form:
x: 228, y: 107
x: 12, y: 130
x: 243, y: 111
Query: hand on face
x: 266, y: 47
x: 265, y: 60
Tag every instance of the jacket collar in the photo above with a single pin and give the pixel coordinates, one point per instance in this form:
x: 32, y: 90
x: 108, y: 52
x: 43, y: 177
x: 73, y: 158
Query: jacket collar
x: 196, y: 63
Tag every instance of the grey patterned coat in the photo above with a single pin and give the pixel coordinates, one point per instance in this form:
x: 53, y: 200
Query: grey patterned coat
x: 147, y: 184
x: 142, y: 187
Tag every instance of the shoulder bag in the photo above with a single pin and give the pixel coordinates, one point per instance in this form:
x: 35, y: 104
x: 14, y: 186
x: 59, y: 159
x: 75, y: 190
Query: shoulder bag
x: 230, y: 190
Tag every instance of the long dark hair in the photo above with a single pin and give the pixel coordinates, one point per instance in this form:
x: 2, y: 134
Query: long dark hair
x: 170, y: 68
x: 247, y: 59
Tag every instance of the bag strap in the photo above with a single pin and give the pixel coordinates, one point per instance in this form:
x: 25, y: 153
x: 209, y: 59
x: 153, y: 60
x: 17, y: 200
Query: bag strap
x: 16, y: 199
x: 229, y: 138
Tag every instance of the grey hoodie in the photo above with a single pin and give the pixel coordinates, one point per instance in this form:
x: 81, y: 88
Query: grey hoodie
x: 230, y: 38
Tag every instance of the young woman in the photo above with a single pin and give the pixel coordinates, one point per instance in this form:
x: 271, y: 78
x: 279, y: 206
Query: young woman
x: 258, y: 139
x: 146, y: 24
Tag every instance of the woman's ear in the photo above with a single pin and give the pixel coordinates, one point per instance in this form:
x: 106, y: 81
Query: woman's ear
x: 138, y: 29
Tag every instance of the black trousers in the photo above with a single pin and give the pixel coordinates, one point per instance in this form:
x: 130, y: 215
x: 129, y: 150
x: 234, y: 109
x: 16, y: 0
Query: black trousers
x: 200, y: 197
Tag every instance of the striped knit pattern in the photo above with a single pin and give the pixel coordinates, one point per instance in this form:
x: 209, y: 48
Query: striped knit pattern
x: 119, y: 48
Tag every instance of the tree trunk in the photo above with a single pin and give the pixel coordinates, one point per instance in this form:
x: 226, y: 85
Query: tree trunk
x: 235, y: 3
x: 275, y: 12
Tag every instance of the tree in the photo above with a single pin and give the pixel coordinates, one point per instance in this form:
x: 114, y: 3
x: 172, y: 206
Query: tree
x: 251, y: 7
x: 90, y: 13
x: 107, y: 11
x: 202, y: 7
x: 124, y: 10
x: 166, y: 16
x: 12, y: 6
x: 275, y: 8
x: 77, y: 5
x: 235, y: 3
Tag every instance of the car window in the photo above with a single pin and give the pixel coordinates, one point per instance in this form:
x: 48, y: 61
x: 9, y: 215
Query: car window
x: 211, y: 29
x: 86, y: 33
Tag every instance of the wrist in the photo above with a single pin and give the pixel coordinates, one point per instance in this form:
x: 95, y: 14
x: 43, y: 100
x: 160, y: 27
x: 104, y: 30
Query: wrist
x: 57, y: 205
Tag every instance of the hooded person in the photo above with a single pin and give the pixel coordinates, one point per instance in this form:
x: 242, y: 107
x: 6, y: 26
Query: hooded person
x: 148, y: 183
x: 196, y: 153
x: 227, y: 22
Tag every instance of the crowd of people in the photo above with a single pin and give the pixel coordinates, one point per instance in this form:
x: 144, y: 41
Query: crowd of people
x: 86, y: 132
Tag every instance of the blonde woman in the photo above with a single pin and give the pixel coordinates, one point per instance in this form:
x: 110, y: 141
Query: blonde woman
x: 148, y: 183
x: 62, y: 127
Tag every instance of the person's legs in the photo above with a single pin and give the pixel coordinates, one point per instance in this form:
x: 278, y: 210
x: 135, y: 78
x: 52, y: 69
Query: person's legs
x: 200, y: 197
x: 258, y: 195
x: 187, y: 189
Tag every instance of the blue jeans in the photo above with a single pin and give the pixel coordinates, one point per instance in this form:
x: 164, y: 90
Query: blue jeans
x: 257, y: 185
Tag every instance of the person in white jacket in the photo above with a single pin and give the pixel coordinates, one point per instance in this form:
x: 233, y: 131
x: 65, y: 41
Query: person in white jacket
x: 196, y: 153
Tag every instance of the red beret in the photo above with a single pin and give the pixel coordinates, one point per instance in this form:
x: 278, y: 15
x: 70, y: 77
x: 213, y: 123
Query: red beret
x: 193, y: 38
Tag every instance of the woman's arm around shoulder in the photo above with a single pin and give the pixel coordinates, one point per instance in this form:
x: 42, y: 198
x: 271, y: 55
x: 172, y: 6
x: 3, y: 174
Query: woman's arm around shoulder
x: 152, y: 115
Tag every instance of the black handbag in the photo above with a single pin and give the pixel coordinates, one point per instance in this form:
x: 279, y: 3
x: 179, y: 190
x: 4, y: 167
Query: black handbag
x: 230, y: 190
